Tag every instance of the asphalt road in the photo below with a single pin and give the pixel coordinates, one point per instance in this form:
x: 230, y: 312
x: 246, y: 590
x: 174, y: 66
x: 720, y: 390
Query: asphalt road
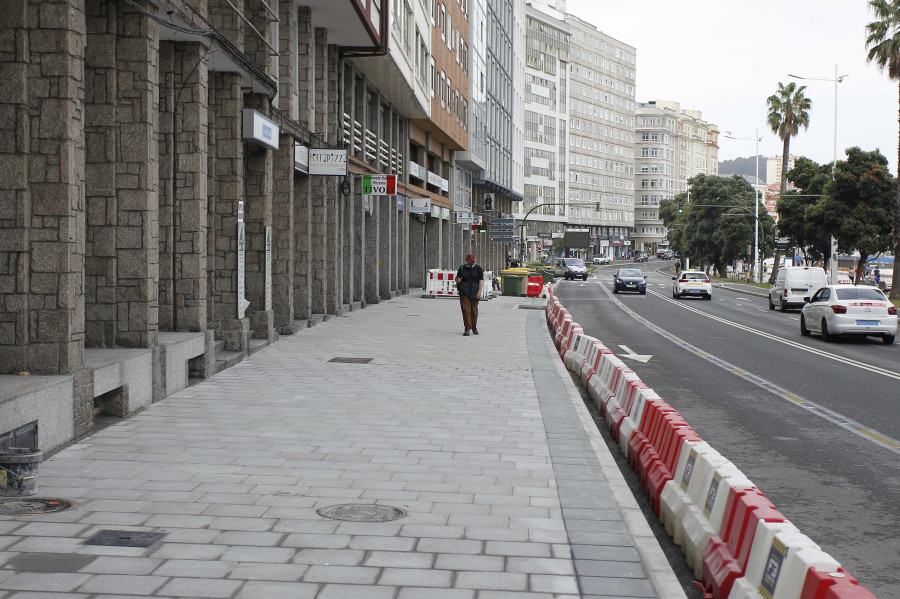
x: 814, y: 425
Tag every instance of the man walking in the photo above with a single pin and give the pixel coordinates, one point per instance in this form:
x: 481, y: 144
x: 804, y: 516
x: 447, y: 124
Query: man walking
x: 469, y: 282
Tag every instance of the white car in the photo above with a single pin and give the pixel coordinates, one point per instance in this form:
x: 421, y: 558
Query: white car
x: 692, y: 282
x: 600, y: 260
x: 849, y: 310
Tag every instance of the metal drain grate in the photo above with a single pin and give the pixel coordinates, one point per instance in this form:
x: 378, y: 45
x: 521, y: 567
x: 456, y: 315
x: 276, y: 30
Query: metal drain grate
x: 351, y: 360
x: 362, y: 513
x: 124, y: 538
x: 33, y: 506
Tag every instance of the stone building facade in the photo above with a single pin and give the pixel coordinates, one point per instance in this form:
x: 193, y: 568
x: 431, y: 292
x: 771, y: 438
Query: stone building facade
x: 157, y: 216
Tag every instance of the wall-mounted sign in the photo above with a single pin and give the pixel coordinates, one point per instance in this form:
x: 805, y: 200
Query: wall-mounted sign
x: 434, y: 179
x: 445, y: 185
x: 400, y: 203
x: 379, y: 185
x: 268, y: 268
x: 259, y: 129
x: 464, y: 218
x: 420, y: 205
x: 418, y: 171
x: 301, y: 158
x: 479, y: 220
x: 327, y: 162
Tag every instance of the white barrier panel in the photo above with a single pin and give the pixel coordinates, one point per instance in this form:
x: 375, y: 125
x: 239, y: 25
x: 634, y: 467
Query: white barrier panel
x: 592, y: 364
x: 442, y: 283
x: 778, y: 562
x: 703, y: 520
x: 598, y: 382
x: 575, y: 356
x: 633, y: 421
x: 694, y: 461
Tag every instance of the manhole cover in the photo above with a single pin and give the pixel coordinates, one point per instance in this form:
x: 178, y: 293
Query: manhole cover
x: 362, y: 513
x: 351, y: 360
x: 33, y: 506
x: 124, y: 538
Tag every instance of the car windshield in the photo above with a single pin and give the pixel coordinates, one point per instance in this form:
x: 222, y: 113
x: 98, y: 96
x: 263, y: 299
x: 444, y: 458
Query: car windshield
x: 574, y: 262
x: 860, y: 293
x: 694, y: 275
x: 630, y: 272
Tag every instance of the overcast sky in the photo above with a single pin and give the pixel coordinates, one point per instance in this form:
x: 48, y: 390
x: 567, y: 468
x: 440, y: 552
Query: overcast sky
x: 725, y: 57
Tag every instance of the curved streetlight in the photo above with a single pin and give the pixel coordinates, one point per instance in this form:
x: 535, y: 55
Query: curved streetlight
x: 757, y: 270
x: 832, y: 261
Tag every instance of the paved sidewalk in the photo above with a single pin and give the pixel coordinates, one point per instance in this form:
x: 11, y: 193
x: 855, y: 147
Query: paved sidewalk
x: 483, y: 442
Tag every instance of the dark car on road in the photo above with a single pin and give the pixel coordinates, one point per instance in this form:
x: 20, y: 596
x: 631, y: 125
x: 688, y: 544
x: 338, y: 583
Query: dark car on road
x: 629, y: 279
x: 639, y: 257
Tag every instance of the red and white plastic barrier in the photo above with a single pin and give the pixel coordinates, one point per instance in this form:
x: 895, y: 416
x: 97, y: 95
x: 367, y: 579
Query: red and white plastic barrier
x: 731, y: 534
x: 442, y: 283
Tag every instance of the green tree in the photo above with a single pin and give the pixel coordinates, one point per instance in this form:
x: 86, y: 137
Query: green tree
x: 788, y: 111
x: 799, y: 215
x: 716, y: 227
x: 862, y: 198
x: 883, y: 43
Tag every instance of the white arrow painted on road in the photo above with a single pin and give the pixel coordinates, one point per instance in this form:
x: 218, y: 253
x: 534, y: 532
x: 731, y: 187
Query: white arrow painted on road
x: 629, y: 353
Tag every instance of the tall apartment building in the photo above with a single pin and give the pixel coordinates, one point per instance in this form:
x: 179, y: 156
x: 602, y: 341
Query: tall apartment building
x: 601, y: 137
x: 773, y: 169
x: 673, y: 146
x: 546, y: 121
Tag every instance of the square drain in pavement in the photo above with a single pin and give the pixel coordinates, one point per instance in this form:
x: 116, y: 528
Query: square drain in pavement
x: 124, y: 538
x: 351, y: 360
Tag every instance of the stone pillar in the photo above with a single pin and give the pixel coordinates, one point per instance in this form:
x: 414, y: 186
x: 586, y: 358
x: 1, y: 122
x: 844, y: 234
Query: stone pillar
x: 305, y: 92
x: 416, y: 251
x: 226, y: 190
x: 350, y: 248
x: 42, y: 218
x: 387, y: 207
x: 373, y: 246
x: 433, y: 248
x: 283, y: 237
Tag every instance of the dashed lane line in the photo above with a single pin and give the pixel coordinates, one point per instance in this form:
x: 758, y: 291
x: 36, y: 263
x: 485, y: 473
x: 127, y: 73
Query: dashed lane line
x: 848, y: 424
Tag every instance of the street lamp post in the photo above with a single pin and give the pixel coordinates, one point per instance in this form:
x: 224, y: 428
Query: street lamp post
x: 832, y: 262
x: 757, y: 271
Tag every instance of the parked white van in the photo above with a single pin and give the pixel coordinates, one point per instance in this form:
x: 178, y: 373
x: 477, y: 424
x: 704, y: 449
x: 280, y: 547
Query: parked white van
x: 793, y: 283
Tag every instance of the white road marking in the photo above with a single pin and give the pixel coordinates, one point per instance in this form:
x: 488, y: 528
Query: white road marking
x: 629, y: 353
x: 848, y: 424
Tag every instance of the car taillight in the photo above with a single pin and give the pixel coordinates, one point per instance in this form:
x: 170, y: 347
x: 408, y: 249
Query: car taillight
x: 838, y: 309
x: 706, y: 281
x: 785, y: 292
x: 682, y: 280
x: 892, y: 311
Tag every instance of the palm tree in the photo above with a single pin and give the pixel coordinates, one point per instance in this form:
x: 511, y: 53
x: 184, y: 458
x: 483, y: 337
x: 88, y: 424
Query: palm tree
x: 883, y: 43
x: 788, y: 111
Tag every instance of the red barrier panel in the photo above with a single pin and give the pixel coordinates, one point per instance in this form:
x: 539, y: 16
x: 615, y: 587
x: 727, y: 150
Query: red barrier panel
x: 564, y: 327
x: 659, y: 474
x: 640, y: 439
x: 832, y: 585
x: 725, y: 558
x: 625, y: 406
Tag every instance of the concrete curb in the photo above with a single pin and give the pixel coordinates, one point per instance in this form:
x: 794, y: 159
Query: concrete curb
x: 654, y: 560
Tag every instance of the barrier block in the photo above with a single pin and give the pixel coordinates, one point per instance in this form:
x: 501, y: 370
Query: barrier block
x: 574, y: 357
x: 563, y: 329
x: 832, y: 585
x: 692, y: 484
x: 567, y: 339
x: 778, y: 563
x: 702, y: 520
x: 630, y: 423
x: 653, y: 410
x: 598, y: 383
x: 726, y: 555
x: 659, y: 474
x: 674, y: 497
x: 625, y: 403
x: 592, y: 363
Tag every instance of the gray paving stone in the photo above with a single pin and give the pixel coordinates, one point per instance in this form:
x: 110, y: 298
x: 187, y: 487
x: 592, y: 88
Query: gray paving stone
x: 189, y: 551
x: 350, y: 591
x: 373, y: 543
x: 554, y: 584
x: 432, y: 593
x: 135, y: 566
x: 123, y: 584
x: 256, y: 539
x: 415, y: 577
x: 399, y: 559
x: 517, y: 549
x: 341, y: 574
x: 45, y: 581
x: 498, y: 581
x: 272, y: 572
x: 194, y: 568
x: 465, y: 546
x: 531, y: 565
x: 269, y: 590
x: 201, y: 587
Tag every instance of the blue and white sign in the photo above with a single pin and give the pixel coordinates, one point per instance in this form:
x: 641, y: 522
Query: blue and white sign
x: 259, y: 129
x: 420, y: 205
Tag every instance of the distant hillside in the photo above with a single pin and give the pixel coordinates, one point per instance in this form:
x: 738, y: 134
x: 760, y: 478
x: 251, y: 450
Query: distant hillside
x: 743, y: 166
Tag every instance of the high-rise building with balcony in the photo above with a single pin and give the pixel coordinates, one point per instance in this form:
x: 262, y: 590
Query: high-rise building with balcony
x: 546, y: 121
x: 673, y: 145
x: 601, y: 140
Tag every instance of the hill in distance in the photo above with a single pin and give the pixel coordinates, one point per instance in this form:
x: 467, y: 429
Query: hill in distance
x: 743, y: 166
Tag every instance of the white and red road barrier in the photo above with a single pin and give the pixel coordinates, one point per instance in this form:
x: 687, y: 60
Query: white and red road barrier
x: 442, y: 283
x: 737, y: 543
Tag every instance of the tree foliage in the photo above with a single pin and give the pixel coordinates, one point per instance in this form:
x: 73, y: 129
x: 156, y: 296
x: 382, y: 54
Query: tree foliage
x: 788, y: 110
x: 716, y: 227
x: 883, y: 44
x: 799, y: 216
x: 860, y: 202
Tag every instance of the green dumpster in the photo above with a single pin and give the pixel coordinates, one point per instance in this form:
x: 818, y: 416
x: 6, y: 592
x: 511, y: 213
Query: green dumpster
x: 511, y: 284
x: 547, y: 274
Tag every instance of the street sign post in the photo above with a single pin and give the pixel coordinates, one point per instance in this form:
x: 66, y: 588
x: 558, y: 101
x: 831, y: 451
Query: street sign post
x: 379, y: 185
x: 502, y: 230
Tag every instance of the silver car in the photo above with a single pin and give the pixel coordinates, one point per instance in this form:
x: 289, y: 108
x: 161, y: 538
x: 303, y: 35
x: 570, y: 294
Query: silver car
x: 849, y: 310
